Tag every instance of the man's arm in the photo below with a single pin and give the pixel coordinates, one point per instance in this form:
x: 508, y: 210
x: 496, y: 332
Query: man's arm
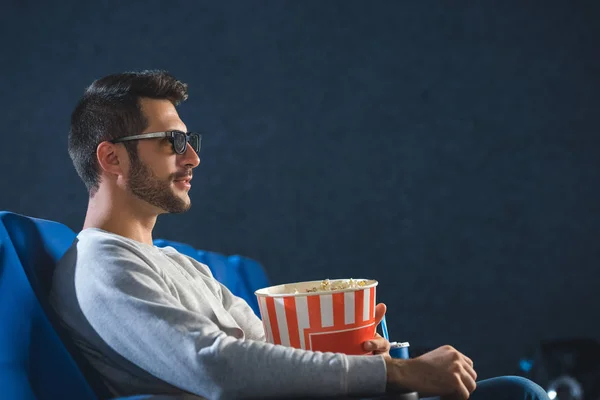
x: 238, y: 308
x: 129, y: 305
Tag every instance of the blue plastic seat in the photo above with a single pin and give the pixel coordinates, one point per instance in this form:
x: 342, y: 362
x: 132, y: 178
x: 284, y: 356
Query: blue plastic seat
x: 253, y: 276
x: 38, y: 360
x: 35, y: 361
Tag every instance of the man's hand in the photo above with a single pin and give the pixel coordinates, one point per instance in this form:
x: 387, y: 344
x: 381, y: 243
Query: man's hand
x: 441, y: 372
x: 378, y: 345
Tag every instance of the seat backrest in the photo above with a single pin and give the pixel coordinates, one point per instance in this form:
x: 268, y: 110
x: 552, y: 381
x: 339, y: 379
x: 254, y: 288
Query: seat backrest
x: 35, y: 362
x: 38, y: 359
x: 243, y: 276
x: 254, y: 277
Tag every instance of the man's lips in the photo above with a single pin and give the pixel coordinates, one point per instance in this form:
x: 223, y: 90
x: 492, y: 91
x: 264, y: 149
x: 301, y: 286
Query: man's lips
x: 184, y: 181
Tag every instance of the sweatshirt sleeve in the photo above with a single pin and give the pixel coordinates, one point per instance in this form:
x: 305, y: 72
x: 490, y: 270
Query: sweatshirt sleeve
x: 243, y: 314
x: 129, y: 305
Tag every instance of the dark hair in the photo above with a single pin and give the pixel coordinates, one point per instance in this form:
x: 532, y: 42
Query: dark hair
x: 109, y: 109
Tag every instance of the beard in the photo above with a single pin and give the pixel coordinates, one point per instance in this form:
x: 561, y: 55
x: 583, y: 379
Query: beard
x: 144, y: 184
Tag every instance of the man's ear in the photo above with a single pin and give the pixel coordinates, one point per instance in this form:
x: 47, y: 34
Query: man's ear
x: 111, y: 159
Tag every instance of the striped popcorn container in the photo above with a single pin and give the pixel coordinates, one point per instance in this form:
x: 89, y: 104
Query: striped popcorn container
x: 336, y: 316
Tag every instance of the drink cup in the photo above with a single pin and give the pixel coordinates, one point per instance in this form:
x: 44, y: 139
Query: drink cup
x: 399, y: 350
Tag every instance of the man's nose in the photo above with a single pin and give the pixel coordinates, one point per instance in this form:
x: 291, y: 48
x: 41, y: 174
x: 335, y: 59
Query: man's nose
x: 190, y: 158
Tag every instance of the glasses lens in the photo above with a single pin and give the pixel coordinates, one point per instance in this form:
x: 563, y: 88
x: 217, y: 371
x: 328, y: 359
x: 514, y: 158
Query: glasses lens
x: 195, y: 141
x: 179, y: 142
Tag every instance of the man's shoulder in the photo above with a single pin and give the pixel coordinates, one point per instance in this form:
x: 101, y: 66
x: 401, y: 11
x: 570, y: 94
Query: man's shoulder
x: 93, y: 247
x: 88, y: 262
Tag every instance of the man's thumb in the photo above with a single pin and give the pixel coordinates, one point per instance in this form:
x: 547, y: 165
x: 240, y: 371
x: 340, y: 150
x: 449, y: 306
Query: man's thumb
x: 380, y: 310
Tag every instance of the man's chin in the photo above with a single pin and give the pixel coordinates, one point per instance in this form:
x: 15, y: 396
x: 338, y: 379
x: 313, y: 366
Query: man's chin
x: 184, y: 205
x: 176, y: 210
x: 179, y: 203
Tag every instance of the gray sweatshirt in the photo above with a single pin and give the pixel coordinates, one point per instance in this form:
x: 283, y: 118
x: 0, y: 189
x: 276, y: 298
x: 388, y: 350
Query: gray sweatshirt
x: 152, y: 320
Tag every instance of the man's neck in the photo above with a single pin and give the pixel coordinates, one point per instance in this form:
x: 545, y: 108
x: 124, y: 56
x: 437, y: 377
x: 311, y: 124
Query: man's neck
x: 121, y: 218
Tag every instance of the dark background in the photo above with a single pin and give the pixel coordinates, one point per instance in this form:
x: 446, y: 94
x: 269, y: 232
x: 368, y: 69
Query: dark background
x: 450, y: 151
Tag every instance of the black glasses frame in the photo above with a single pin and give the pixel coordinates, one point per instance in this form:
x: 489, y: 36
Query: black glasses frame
x: 179, y: 139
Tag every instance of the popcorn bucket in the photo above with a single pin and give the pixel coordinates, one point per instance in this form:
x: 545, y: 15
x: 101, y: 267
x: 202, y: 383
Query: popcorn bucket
x: 336, y: 316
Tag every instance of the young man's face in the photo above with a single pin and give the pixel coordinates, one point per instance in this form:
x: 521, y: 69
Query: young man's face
x: 158, y: 175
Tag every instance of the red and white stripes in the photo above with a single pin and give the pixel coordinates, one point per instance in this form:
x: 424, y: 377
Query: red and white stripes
x: 295, y: 320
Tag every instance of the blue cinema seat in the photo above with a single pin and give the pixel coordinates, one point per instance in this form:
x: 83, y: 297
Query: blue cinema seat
x: 37, y: 359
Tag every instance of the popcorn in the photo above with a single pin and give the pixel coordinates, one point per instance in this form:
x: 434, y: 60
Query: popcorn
x: 327, y: 285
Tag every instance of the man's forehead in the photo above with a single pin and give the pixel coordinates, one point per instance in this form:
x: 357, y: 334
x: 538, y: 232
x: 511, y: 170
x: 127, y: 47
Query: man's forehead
x: 161, y: 115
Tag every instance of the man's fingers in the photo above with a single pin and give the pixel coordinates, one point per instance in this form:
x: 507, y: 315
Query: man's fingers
x: 468, y: 360
x: 369, y: 345
x: 380, y: 310
x: 471, y: 371
x: 463, y: 393
x: 469, y: 381
x: 377, y: 344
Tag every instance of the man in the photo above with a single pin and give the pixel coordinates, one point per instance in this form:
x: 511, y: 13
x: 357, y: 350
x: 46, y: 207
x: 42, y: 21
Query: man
x: 151, y: 320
